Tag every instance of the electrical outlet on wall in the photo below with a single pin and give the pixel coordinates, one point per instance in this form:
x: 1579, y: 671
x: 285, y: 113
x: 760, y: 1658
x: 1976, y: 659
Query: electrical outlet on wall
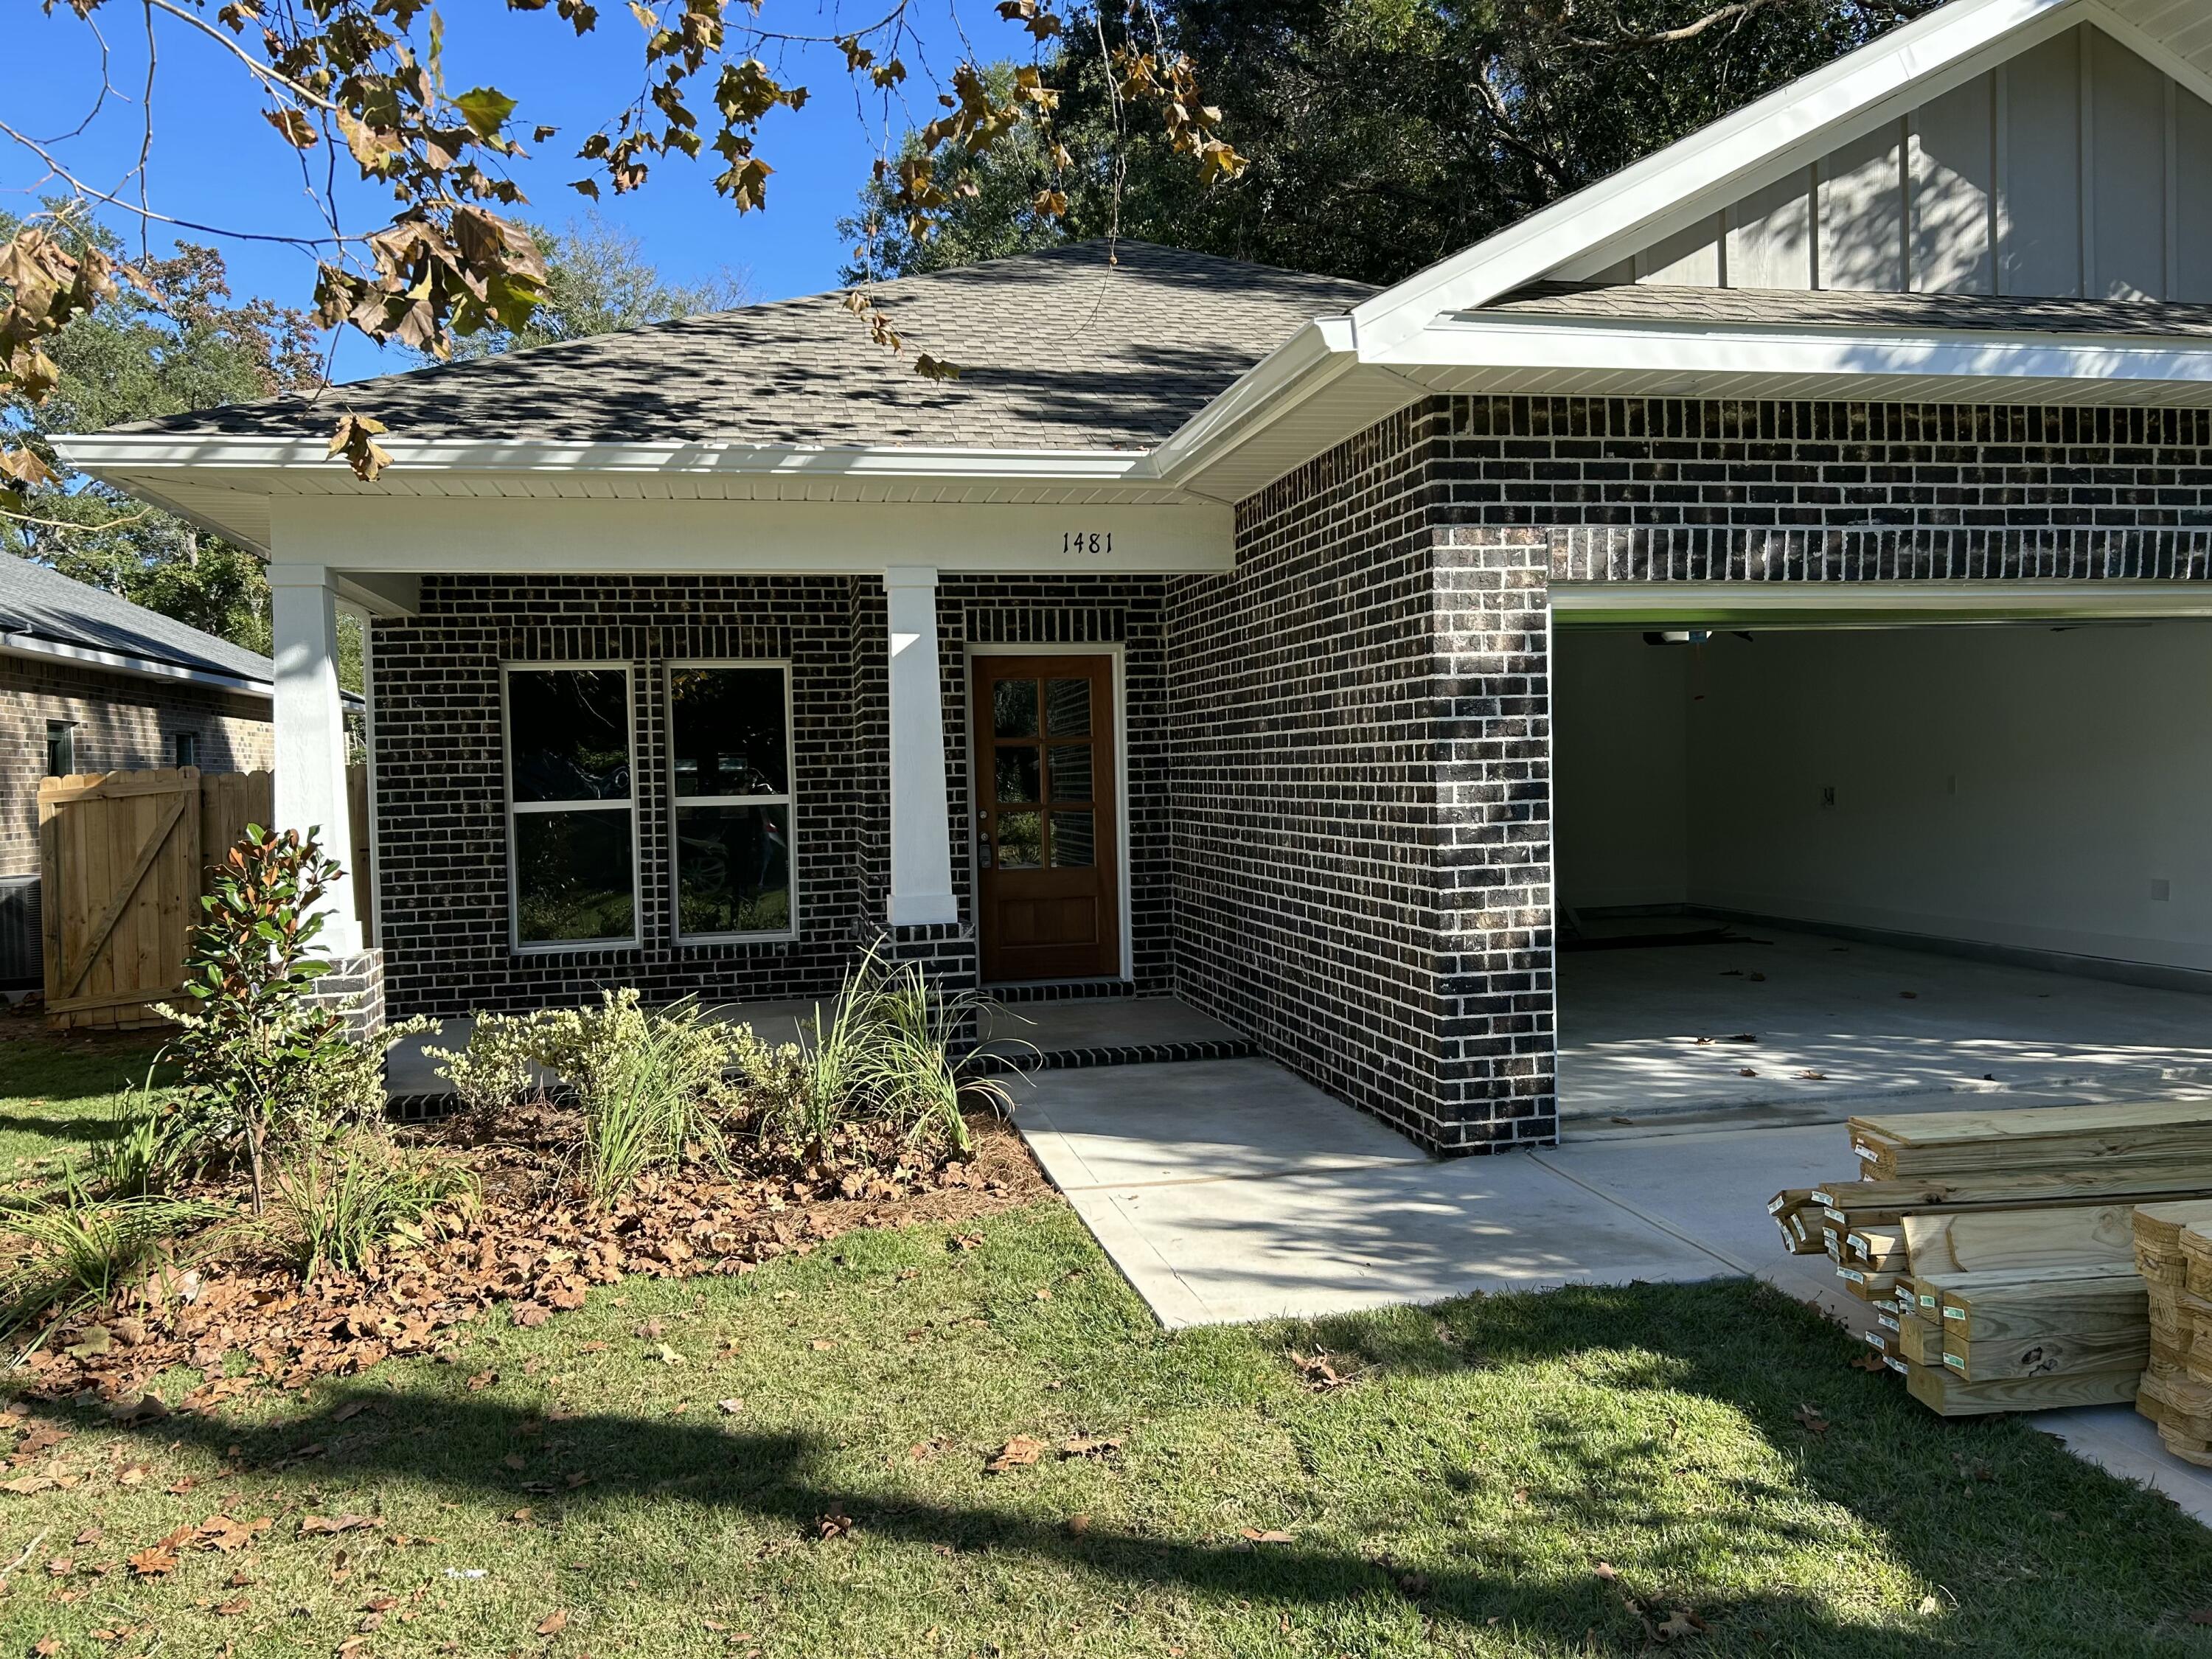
x: 2162, y: 889
x: 1827, y: 794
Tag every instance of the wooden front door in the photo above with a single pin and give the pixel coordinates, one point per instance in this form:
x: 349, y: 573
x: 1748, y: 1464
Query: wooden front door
x: 1047, y: 834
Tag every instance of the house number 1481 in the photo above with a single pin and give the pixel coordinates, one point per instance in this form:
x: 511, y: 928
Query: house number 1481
x: 1087, y: 541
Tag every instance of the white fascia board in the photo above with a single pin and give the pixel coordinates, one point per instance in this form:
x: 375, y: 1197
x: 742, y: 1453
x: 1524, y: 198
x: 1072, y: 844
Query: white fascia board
x: 99, y: 453
x: 1302, y: 367
x: 1693, y: 348
x: 113, y: 662
x: 1715, y: 163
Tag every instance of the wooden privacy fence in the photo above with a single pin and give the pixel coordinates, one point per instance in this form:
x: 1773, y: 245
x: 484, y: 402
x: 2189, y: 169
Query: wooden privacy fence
x: 124, y: 858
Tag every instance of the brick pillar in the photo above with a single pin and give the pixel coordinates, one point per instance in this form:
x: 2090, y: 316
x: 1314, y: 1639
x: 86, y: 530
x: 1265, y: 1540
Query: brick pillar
x: 353, y: 988
x: 1496, y: 1055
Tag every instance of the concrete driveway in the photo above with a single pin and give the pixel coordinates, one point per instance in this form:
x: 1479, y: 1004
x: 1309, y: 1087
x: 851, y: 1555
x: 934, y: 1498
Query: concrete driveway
x: 1231, y: 1190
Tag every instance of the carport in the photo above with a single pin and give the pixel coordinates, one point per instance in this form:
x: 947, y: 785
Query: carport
x: 1889, y: 840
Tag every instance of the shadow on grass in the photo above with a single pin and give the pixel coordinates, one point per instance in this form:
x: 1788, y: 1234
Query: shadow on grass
x: 2046, y: 1553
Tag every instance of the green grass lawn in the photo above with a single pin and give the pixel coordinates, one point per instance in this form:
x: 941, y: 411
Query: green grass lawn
x: 1503, y: 1474
x: 56, y: 1092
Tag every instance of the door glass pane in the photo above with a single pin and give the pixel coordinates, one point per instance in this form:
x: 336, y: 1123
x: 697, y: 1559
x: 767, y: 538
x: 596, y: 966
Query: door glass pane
x: 1074, y: 847
x: 1020, y: 841
x: 1070, y: 771
x: 569, y: 729
x: 1014, y: 708
x: 1017, y: 773
x: 1067, y: 708
x: 572, y: 877
x: 726, y: 730
x: 733, y: 869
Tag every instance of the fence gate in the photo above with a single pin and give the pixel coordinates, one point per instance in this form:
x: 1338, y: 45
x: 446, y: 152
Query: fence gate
x: 120, y: 858
x: 125, y: 857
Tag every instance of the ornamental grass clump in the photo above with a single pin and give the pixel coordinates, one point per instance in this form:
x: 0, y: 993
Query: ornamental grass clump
x: 77, y: 1250
x: 338, y: 1205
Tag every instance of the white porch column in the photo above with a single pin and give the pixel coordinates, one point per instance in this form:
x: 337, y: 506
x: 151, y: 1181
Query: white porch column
x: 921, y: 844
x: 310, y: 735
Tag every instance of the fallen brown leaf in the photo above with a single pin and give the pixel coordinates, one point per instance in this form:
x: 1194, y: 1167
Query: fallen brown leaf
x: 1810, y: 1417
x: 1086, y: 1445
x: 1016, y: 1452
x: 232, y: 1609
x: 153, y: 1563
x: 314, y: 1526
x: 553, y: 1623
x: 1254, y: 1536
x: 731, y: 1407
x: 481, y: 1380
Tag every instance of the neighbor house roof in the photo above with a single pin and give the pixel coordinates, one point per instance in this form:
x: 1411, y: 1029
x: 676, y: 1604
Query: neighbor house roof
x: 44, y: 613
x: 1067, y: 349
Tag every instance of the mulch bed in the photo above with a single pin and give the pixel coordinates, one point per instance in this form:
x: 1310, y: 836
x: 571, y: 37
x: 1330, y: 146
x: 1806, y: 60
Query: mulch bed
x: 530, y: 1247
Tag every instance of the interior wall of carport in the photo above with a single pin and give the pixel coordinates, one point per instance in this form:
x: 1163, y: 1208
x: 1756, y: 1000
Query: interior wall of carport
x: 2026, y: 785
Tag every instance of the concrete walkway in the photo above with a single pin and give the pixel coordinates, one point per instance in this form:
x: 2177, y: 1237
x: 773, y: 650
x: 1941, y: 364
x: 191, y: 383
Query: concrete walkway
x: 1232, y: 1190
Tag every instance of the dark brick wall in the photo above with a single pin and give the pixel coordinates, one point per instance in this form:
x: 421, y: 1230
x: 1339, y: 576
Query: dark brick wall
x: 123, y: 724
x: 442, y: 832
x: 1658, y: 490
x: 1315, y: 755
x: 1338, y: 755
x: 1363, y: 832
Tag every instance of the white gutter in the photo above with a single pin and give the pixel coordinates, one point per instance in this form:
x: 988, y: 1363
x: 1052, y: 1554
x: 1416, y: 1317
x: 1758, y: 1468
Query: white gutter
x: 113, y: 451
x: 24, y: 645
x: 1697, y: 347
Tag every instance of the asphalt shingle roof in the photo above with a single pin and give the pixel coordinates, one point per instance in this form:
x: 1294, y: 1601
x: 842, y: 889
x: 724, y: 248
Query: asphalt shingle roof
x: 47, y: 606
x: 1840, y: 308
x: 1059, y: 350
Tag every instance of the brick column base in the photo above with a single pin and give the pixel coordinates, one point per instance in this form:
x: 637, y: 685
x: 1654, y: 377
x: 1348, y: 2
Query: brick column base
x: 355, y: 987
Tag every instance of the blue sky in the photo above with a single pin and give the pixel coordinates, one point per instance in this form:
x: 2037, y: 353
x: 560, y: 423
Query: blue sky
x: 215, y: 160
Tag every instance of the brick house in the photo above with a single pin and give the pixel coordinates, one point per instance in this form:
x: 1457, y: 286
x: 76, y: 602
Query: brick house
x: 91, y: 682
x: 1298, y: 648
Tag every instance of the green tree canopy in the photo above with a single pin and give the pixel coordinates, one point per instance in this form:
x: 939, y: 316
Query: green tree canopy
x: 179, y: 343
x: 1382, y: 134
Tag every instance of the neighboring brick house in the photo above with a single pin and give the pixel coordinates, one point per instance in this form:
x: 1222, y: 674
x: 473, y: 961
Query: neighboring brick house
x: 1201, y: 637
x: 91, y: 682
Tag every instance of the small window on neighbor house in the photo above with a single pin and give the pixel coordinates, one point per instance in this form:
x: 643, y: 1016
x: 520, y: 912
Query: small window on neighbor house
x: 729, y: 743
x: 61, y: 748
x: 572, y: 820
x: 188, y: 748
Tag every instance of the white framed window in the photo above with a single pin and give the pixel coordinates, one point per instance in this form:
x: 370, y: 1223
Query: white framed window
x: 732, y: 802
x: 571, y: 805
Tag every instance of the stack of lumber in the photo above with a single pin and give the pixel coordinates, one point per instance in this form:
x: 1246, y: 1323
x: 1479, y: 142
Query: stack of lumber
x: 2001, y: 1255
x: 2173, y: 1254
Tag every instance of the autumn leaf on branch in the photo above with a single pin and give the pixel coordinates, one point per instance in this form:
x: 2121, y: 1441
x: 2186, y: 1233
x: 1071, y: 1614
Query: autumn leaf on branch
x: 356, y: 439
